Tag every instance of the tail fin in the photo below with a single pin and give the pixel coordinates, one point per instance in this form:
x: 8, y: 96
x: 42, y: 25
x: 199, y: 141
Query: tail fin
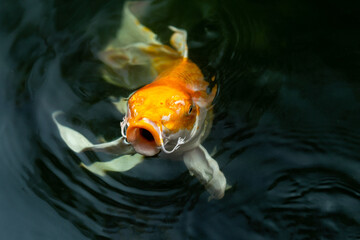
x: 131, y: 30
x: 135, y: 57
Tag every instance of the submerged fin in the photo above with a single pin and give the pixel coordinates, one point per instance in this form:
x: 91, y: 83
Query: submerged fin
x: 206, y: 169
x: 135, y: 57
x: 78, y: 143
x: 120, y: 164
x: 128, y: 67
x: 131, y: 30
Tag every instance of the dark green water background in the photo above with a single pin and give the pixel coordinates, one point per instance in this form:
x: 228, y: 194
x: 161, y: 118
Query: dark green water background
x: 286, y: 128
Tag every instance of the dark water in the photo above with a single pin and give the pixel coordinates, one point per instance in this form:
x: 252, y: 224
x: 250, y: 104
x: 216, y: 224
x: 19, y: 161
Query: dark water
x: 286, y: 129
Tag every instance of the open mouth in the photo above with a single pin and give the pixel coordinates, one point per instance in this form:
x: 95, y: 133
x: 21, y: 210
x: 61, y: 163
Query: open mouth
x: 144, y: 137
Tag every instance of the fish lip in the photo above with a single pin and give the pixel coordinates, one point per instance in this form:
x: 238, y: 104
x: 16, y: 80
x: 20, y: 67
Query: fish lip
x: 145, y: 136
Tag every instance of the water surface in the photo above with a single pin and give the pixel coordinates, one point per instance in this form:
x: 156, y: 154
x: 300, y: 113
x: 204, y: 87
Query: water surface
x: 286, y: 129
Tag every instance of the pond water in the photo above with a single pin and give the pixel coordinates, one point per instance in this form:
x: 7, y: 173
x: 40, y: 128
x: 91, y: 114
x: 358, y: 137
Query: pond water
x: 286, y: 130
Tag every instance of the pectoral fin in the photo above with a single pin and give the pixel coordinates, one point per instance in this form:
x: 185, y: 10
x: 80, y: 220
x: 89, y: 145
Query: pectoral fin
x: 206, y: 169
x: 120, y: 164
x: 78, y: 143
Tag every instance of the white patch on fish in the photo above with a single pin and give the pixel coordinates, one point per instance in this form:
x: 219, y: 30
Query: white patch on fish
x: 166, y: 118
x: 180, y: 102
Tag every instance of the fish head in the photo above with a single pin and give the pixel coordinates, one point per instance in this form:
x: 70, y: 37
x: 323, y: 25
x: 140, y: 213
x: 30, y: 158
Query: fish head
x: 159, y: 115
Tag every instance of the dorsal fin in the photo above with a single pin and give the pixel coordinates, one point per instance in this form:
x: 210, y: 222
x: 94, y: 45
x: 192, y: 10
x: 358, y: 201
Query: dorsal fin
x: 178, y: 41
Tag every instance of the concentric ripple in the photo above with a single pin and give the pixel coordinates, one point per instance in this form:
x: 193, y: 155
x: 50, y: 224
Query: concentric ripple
x: 286, y: 129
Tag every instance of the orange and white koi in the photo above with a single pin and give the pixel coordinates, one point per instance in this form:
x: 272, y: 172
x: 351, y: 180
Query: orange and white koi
x: 170, y: 116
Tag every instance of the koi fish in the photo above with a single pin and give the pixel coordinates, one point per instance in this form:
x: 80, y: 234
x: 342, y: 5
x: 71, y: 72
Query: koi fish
x: 169, y: 116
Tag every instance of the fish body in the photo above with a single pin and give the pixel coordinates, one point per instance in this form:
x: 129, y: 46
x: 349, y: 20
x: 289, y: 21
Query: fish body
x: 169, y: 116
x: 169, y: 113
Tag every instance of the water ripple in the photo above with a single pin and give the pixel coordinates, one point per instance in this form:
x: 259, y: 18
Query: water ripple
x: 285, y: 133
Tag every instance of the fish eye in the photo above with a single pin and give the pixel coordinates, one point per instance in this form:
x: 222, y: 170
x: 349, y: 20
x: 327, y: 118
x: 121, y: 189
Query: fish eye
x: 190, y: 109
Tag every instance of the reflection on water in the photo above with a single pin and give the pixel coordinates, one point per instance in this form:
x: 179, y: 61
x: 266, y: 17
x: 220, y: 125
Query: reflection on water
x: 286, y: 129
